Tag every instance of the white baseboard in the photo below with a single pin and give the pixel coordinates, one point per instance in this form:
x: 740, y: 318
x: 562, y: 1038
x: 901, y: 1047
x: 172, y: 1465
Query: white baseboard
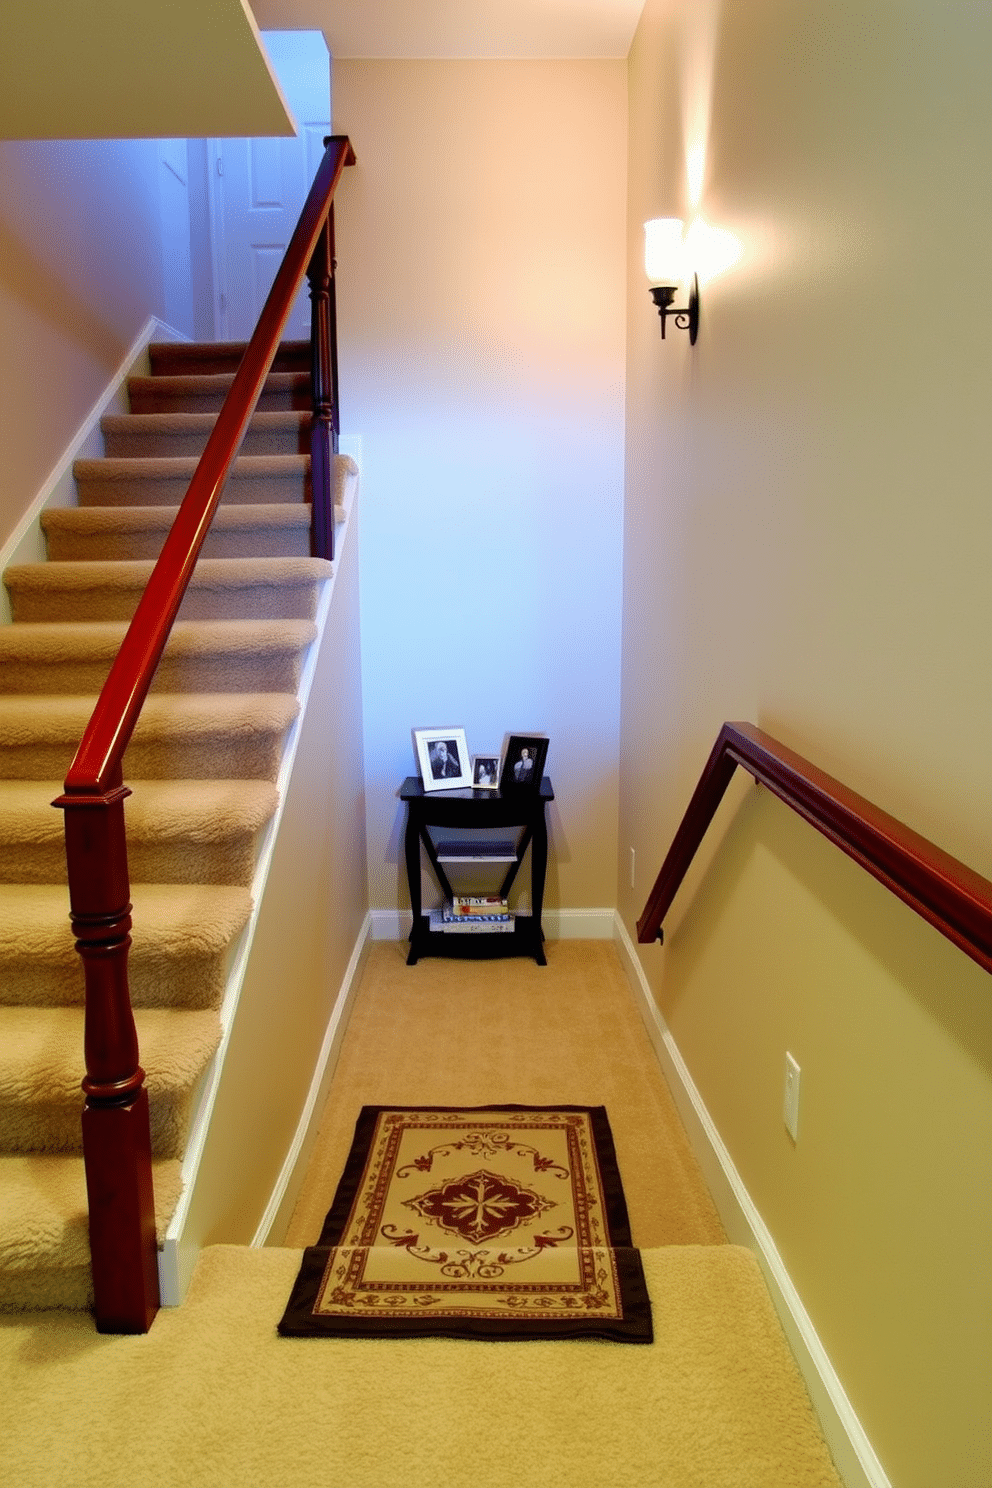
x: 278, y: 1212
x: 559, y: 924
x: 853, y: 1454
x: 391, y: 924
x: 578, y: 924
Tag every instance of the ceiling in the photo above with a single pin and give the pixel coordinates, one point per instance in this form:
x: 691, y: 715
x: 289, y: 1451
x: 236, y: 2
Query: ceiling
x: 460, y: 28
x: 108, y: 69
x: 104, y: 69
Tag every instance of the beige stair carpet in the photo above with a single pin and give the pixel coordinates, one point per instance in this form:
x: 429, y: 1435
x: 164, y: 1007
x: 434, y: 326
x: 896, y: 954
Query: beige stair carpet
x: 265, y: 530
x: 156, y: 434
x: 178, y: 831
x: 202, y: 767
x: 164, y: 482
x: 207, y: 656
x: 181, y: 940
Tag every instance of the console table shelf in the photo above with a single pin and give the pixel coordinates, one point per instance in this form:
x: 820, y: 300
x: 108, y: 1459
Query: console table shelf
x: 482, y: 812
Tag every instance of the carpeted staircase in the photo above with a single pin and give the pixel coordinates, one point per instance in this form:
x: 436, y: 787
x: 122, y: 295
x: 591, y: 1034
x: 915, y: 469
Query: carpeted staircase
x: 202, y: 767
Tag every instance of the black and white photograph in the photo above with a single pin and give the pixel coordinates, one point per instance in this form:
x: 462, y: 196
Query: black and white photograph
x: 485, y: 771
x: 523, y: 762
x: 443, y: 756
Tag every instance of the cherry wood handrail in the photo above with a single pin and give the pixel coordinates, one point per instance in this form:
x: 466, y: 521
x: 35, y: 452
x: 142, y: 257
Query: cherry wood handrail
x: 945, y: 892
x: 97, y: 764
x: 115, y: 1121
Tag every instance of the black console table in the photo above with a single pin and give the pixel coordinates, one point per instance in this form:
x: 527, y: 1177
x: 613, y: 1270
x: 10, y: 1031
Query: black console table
x: 477, y: 811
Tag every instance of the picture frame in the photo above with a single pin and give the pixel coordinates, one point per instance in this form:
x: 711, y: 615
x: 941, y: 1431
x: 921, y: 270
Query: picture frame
x: 442, y: 753
x: 485, y: 771
x: 523, y: 762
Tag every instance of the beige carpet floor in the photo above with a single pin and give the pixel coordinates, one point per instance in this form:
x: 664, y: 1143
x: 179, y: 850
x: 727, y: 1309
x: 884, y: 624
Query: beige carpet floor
x: 211, y: 1397
x: 214, y: 1398
x: 488, y: 1032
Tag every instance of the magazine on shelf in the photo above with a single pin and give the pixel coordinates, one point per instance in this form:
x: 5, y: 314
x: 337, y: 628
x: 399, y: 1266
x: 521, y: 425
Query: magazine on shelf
x: 476, y: 852
x: 488, y: 905
x: 444, y: 922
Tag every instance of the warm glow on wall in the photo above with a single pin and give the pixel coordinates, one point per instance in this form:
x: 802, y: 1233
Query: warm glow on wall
x: 709, y: 250
x: 673, y: 257
x: 695, y: 172
x: 666, y: 266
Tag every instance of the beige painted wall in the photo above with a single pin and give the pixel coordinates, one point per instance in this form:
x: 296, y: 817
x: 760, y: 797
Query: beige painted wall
x: 481, y: 290
x: 808, y: 536
x: 80, y: 273
x: 309, y: 923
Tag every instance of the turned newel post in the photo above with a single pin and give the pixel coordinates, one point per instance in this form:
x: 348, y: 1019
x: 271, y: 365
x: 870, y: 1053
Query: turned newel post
x: 323, y: 378
x: 116, y: 1140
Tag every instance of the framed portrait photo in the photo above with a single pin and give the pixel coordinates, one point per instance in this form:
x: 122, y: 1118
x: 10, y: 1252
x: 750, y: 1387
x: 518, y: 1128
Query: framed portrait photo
x: 443, y: 756
x: 485, y: 771
x: 523, y: 762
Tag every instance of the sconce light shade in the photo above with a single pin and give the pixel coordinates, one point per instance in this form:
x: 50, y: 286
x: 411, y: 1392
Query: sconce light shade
x: 665, y: 265
x: 664, y: 252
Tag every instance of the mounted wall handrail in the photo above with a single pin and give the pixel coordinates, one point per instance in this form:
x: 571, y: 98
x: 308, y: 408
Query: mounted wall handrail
x: 945, y: 892
x: 115, y: 1121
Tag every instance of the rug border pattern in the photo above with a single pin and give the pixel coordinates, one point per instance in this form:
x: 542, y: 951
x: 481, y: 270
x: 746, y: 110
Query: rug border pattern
x: 605, y: 1247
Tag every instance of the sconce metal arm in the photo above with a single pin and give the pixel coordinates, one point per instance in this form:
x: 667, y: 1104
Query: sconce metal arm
x: 686, y: 317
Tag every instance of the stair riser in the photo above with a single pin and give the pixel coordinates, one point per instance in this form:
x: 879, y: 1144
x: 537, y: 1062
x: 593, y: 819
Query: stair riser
x: 121, y: 443
x: 156, y: 396
x: 56, y: 1127
x: 192, y: 983
x: 69, y: 1287
x: 47, y: 1259
x: 161, y: 491
x: 229, y: 674
x: 250, y: 602
x: 219, y: 757
x: 180, y: 861
x: 182, y: 359
x: 272, y: 542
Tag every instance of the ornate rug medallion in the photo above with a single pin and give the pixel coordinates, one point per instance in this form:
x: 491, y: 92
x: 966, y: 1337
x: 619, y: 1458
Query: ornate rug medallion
x: 485, y: 1222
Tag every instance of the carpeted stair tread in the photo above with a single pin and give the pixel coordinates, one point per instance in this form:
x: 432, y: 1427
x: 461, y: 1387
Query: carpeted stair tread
x: 185, y: 831
x: 164, y: 482
x: 196, y: 392
x: 201, y: 767
x: 220, y: 589
x: 172, y: 358
x: 44, y: 1228
x: 267, y: 530
x: 41, y: 1065
x: 189, y: 736
x: 200, y: 655
x: 181, y: 939
x: 151, y: 435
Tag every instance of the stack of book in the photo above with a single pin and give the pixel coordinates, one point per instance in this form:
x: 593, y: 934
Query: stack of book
x: 473, y: 915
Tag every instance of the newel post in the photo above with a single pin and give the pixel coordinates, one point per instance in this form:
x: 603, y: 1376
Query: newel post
x: 116, y: 1140
x: 323, y: 381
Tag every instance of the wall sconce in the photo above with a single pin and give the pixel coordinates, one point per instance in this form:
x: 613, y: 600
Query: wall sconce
x: 665, y: 265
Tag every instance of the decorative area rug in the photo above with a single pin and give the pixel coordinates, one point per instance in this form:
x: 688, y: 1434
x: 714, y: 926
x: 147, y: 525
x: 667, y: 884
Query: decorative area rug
x: 492, y: 1222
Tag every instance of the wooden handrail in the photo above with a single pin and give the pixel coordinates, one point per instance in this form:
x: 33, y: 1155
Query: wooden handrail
x: 116, y: 1141
x: 97, y: 764
x: 950, y: 896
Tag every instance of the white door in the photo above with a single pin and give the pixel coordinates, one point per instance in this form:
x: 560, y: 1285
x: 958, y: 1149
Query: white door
x: 177, y: 265
x: 258, y: 187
